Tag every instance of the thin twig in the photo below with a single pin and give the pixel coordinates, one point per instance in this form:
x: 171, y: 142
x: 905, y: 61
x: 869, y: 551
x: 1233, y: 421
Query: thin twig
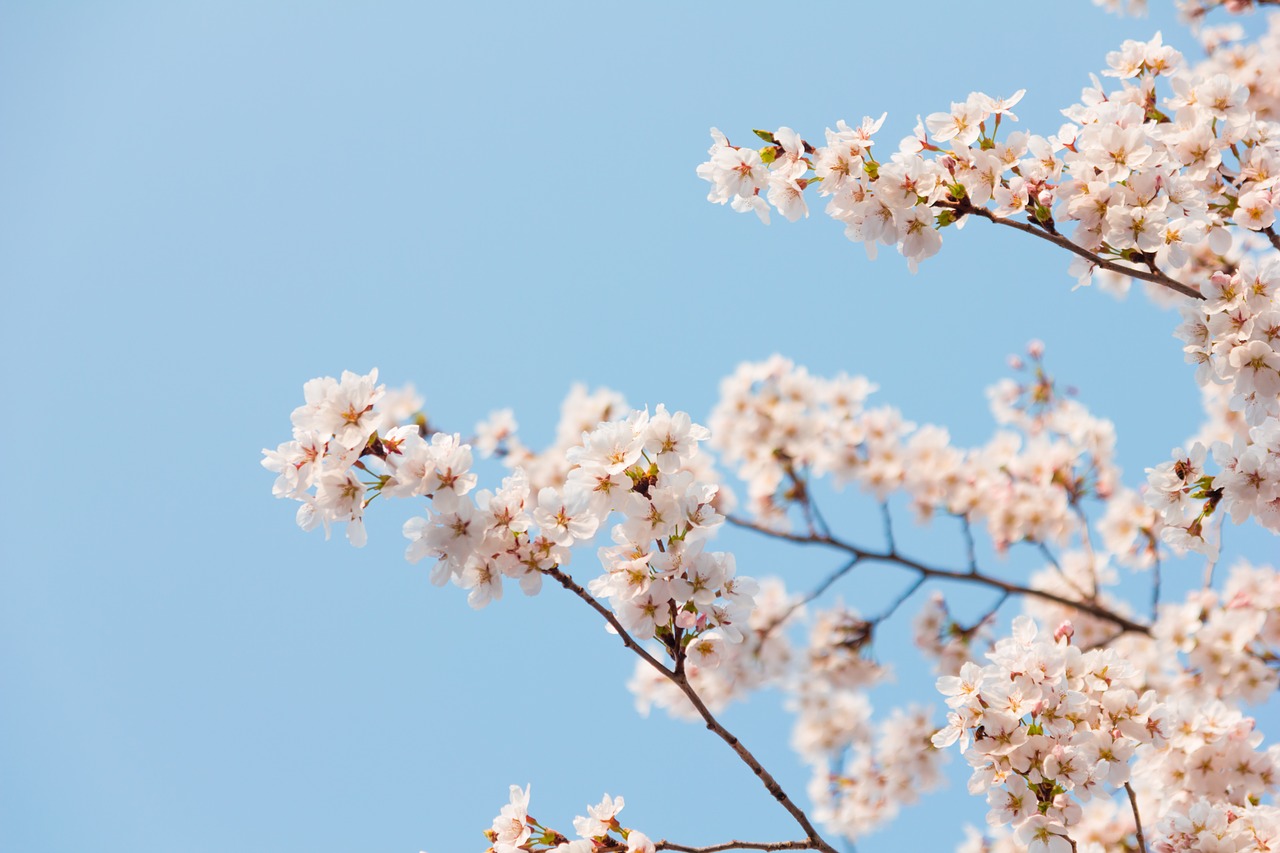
x: 1137, y: 820
x: 1092, y: 608
x: 991, y: 612
x: 1087, y: 539
x: 888, y: 527
x: 681, y: 680
x: 765, y: 777
x: 1057, y: 567
x: 898, y: 602
x: 738, y: 845
x: 970, y: 547
x: 965, y: 206
x: 627, y: 640
x: 1048, y: 555
x: 812, y: 595
x: 817, y: 514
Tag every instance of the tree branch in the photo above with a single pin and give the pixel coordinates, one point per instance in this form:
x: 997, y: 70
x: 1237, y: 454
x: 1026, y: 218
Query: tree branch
x: 1156, y: 277
x: 1092, y: 608
x: 1137, y: 820
x: 770, y: 784
x: 1269, y: 230
x: 681, y: 680
x: 627, y: 640
x: 738, y: 845
x: 813, y: 595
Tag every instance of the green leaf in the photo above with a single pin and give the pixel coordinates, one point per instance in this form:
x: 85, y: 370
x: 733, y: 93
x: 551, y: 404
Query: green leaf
x: 765, y: 135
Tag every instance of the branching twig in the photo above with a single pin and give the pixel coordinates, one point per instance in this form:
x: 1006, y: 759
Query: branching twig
x: 1087, y: 539
x: 900, y: 600
x: 812, y: 595
x: 991, y: 611
x: 1057, y: 567
x: 1092, y: 608
x: 681, y: 680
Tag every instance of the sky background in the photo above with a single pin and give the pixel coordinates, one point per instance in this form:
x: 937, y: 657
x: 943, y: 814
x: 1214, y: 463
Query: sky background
x: 204, y: 205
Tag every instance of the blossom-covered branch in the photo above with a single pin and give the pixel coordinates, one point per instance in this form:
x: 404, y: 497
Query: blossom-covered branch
x: 963, y: 207
x: 681, y: 680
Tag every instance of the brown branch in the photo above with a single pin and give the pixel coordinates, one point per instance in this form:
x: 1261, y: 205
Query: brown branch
x: 813, y: 595
x: 1269, y: 230
x: 859, y: 554
x: 627, y: 640
x: 738, y: 845
x: 716, y: 848
x: 964, y: 206
x: 770, y: 784
x: 681, y: 680
x: 1137, y: 820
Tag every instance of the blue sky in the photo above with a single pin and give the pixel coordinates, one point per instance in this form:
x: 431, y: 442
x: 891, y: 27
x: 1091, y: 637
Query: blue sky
x: 204, y: 205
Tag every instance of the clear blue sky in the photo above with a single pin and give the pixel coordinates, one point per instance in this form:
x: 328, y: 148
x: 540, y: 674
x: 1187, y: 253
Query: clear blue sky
x: 204, y: 205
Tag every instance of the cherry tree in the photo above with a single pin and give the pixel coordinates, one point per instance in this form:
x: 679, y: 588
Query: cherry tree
x: 1090, y: 721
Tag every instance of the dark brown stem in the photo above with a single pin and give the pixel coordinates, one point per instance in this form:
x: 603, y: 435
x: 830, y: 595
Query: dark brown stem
x: 1270, y: 231
x: 1092, y: 608
x: 814, y: 841
x: 813, y: 595
x: 1137, y: 820
x: 738, y: 845
x: 964, y: 206
x: 627, y: 640
x: 716, y: 848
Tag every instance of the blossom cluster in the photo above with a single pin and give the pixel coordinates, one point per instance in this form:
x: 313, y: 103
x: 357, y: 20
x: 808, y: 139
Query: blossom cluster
x: 514, y: 830
x: 332, y: 430
x: 1144, y: 177
x: 765, y: 657
x: 782, y: 426
x: 1234, y: 337
x: 1172, y: 174
x: 1215, y: 645
x: 1219, y: 826
x: 1045, y: 727
x: 879, y: 770
x: 658, y: 577
x: 1049, y: 729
